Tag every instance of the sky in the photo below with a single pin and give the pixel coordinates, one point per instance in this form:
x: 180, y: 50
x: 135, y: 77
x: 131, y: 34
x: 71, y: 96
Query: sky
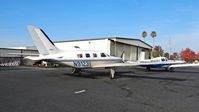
x: 175, y: 21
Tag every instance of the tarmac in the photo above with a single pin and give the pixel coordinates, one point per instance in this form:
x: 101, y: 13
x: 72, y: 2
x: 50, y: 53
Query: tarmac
x: 33, y: 89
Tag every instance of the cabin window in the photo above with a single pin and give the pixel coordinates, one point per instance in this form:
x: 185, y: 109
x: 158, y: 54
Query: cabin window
x: 87, y: 55
x: 94, y: 55
x: 103, y: 55
x: 79, y: 56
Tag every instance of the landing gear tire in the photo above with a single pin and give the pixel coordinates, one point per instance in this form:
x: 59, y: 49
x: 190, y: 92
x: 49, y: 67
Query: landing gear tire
x: 76, y: 72
x: 112, y: 73
x: 148, y: 68
x: 171, y: 69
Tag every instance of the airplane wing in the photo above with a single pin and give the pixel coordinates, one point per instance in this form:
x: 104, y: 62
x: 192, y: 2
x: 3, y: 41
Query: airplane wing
x: 184, y: 65
x: 161, y: 63
x: 170, y: 64
x: 115, y: 65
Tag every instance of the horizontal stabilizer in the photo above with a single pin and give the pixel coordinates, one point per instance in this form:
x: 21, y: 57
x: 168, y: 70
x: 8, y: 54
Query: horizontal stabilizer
x: 23, y: 54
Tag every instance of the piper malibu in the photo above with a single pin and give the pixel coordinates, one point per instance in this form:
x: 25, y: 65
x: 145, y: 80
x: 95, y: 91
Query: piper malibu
x: 77, y: 59
x: 81, y: 59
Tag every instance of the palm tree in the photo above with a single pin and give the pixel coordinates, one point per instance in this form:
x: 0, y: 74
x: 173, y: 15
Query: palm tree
x: 153, y: 35
x: 144, y: 34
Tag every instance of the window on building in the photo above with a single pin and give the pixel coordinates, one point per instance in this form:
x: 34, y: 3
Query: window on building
x: 103, y: 55
x: 88, y: 55
x: 79, y: 56
x: 94, y: 55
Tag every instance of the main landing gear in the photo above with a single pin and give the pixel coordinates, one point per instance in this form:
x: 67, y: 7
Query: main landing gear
x: 171, y: 69
x: 77, y: 71
x: 112, y: 73
x: 148, y: 68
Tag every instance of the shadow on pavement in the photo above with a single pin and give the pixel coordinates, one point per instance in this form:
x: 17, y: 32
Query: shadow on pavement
x: 123, y: 74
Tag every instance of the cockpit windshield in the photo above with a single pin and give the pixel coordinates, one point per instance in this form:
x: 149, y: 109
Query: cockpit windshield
x: 163, y: 59
x: 103, y: 55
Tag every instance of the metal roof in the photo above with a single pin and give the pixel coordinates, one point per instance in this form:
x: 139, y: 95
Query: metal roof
x: 110, y: 38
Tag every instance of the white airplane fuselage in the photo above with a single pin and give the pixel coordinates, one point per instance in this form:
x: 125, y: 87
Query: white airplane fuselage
x: 80, y: 58
x: 159, y: 62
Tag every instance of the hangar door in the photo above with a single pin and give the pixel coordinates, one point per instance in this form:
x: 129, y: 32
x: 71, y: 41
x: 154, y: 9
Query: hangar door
x: 133, y: 56
x: 126, y: 48
x: 127, y: 52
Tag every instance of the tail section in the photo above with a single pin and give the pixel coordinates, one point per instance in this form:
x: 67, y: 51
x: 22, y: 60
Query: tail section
x: 44, y: 45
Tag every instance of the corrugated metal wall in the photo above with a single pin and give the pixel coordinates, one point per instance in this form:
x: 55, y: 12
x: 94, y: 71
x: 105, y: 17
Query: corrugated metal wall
x: 7, y: 59
x: 131, y: 53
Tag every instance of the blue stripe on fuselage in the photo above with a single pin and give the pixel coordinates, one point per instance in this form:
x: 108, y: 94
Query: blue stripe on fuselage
x: 156, y: 66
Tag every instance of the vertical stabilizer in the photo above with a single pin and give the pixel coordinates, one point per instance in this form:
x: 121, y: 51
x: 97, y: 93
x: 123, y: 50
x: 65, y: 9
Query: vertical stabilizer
x: 44, y: 45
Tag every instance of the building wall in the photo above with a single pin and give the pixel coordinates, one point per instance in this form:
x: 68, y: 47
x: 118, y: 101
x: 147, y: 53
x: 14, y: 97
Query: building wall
x: 134, y: 43
x: 7, y: 59
x: 131, y: 52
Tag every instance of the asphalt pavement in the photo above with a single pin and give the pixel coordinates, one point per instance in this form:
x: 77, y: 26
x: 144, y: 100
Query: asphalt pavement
x: 32, y: 89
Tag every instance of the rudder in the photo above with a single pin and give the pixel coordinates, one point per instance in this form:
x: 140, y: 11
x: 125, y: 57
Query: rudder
x: 43, y: 43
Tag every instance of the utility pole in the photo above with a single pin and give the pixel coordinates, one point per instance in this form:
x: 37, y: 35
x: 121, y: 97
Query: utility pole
x: 169, y: 46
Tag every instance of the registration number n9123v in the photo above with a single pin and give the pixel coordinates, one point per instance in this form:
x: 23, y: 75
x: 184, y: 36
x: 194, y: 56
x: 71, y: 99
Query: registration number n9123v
x: 82, y: 63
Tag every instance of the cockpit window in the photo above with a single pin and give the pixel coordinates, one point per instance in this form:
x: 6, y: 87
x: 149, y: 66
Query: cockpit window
x: 79, y: 55
x: 163, y: 59
x: 103, y: 55
x: 88, y: 55
x: 94, y: 55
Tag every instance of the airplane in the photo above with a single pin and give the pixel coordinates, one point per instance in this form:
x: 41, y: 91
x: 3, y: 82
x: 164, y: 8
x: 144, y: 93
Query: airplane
x: 77, y: 59
x: 85, y: 59
x: 161, y: 62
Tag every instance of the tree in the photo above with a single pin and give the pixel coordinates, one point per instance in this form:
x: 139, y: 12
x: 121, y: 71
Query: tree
x: 171, y: 57
x: 158, y: 51
x: 153, y: 35
x: 188, y: 55
x: 197, y: 57
x: 166, y: 55
x: 175, y: 55
x: 144, y: 34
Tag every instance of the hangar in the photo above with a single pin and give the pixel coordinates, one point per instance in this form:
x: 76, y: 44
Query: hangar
x: 113, y: 46
x: 7, y: 59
